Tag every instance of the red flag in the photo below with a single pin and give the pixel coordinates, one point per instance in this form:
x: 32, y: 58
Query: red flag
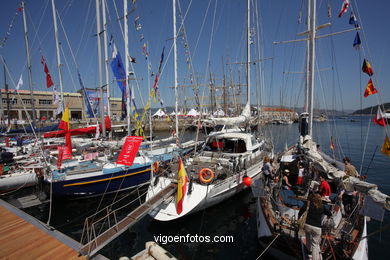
x: 60, y: 155
x: 331, y: 145
x: 181, y: 186
x: 370, y: 89
x: 7, y: 141
x: 344, y: 7
x: 49, y: 81
x: 378, y: 119
x: 366, y: 68
x: 129, y: 150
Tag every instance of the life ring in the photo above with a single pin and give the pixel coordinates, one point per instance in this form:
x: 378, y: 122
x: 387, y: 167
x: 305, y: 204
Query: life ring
x: 156, y: 167
x: 204, y: 173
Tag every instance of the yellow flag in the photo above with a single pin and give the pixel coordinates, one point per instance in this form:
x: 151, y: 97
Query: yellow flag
x: 386, y: 147
x: 152, y: 94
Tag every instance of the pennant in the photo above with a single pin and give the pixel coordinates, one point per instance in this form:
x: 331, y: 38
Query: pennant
x: 331, y: 145
x: 357, y: 42
x: 386, y: 147
x: 366, y: 68
x: 370, y: 89
x: 49, y: 81
x: 378, y: 119
x: 181, y: 186
x: 353, y: 20
x: 87, y: 102
x: 344, y: 7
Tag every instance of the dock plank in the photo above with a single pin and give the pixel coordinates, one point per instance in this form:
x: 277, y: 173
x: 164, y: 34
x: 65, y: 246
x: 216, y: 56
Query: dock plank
x: 21, y: 239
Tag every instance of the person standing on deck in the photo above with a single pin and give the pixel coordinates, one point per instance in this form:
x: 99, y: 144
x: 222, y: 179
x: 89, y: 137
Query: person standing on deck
x: 313, y: 223
x: 267, y: 170
x: 324, y: 189
x: 350, y: 170
x: 300, y: 174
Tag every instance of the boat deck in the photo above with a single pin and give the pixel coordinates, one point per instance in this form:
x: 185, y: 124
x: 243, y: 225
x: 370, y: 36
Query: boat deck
x: 23, y: 237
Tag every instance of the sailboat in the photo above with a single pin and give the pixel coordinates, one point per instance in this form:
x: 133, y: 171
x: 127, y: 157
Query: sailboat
x: 344, y: 234
x: 218, y: 170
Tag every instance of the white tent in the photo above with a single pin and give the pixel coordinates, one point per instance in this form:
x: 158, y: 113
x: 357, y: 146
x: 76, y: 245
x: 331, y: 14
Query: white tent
x: 193, y: 113
x: 159, y: 113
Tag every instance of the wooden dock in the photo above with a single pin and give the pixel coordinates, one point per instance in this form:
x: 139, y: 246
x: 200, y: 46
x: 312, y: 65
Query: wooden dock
x: 24, y: 237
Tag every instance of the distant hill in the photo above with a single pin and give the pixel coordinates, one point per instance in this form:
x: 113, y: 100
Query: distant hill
x: 370, y: 110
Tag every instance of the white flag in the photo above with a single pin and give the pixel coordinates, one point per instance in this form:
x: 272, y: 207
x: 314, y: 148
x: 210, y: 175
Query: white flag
x: 20, y: 83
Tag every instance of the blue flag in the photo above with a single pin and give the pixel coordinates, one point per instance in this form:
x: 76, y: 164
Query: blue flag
x: 353, y: 20
x: 88, y: 108
x: 120, y: 75
x: 357, y: 42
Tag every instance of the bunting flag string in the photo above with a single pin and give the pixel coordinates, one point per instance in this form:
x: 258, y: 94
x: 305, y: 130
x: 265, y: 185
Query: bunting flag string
x: 11, y: 25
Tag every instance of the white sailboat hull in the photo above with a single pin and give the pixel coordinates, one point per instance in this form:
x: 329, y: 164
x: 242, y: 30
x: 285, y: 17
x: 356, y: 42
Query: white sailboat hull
x: 202, y: 196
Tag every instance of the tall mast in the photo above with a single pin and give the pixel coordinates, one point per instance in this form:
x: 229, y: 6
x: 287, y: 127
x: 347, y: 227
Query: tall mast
x: 128, y: 100
x: 248, y: 55
x: 312, y: 35
x: 106, y: 56
x: 28, y: 65
x: 6, y: 90
x: 306, y: 103
x: 58, y: 53
x: 100, y: 67
x: 175, y: 69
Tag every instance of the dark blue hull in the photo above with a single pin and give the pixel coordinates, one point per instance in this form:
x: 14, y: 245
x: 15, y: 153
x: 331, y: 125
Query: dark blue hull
x: 102, y: 183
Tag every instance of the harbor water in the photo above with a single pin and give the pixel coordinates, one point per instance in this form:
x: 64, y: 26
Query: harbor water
x: 236, y: 217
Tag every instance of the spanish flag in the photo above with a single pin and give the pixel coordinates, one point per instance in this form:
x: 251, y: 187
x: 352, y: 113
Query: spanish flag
x: 370, y: 89
x: 386, y: 147
x: 366, y: 68
x: 181, y: 186
x: 64, y: 123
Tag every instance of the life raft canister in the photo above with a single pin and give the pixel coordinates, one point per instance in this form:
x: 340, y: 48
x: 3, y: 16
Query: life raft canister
x: 206, y: 175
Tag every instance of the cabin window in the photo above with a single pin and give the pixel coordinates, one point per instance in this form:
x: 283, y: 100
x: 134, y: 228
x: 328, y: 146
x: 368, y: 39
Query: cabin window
x: 226, y: 145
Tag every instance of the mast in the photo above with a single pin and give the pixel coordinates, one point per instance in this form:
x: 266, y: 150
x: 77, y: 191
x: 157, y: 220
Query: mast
x: 30, y: 82
x: 306, y: 101
x: 1, y: 100
x: 106, y: 57
x: 128, y: 100
x: 150, y: 110
x: 58, y: 53
x: 311, y: 61
x: 175, y: 69
x: 6, y: 90
x: 100, y: 68
x: 248, y: 55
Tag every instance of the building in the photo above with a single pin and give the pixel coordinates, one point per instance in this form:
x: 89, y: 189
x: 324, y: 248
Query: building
x: 44, y: 105
x: 278, y: 113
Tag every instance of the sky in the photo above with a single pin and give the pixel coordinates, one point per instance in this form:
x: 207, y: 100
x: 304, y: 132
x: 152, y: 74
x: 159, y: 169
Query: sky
x: 215, y: 42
